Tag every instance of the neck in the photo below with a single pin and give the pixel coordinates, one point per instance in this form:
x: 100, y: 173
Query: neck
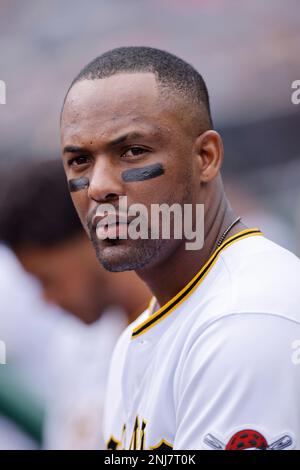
x: 169, y: 277
x: 131, y: 294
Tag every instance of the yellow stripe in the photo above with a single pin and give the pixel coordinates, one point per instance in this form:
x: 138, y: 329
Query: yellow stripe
x: 161, y: 442
x: 112, y: 438
x: 230, y: 241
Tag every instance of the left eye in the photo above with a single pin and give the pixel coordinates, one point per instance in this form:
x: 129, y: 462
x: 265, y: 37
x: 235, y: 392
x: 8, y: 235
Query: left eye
x: 77, y: 161
x: 134, y: 152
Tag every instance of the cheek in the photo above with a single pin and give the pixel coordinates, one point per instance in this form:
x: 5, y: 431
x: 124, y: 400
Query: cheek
x: 167, y: 185
x: 145, y: 173
x: 156, y: 191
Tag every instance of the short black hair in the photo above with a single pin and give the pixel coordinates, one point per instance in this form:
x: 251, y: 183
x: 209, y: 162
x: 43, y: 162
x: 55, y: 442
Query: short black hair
x: 170, y: 71
x: 36, y: 209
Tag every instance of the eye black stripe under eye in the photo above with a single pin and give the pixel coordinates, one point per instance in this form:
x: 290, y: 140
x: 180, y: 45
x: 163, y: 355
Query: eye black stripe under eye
x: 144, y: 173
x: 77, y: 184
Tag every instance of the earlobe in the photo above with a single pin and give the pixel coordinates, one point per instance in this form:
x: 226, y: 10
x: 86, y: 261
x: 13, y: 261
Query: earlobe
x: 209, y: 155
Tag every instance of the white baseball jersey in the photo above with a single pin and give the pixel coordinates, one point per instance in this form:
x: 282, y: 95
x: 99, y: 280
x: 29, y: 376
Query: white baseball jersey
x: 218, y: 366
x: 74, y: 420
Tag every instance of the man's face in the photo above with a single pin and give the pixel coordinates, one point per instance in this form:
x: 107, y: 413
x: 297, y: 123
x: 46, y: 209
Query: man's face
x: 117, y: 124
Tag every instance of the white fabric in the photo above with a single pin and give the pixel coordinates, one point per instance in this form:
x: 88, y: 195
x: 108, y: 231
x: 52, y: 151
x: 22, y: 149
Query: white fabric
x: 28, y: 328
x: 220, y: 363
x: 12, y: 438
x: 75, y: 417
x: 29, y: 325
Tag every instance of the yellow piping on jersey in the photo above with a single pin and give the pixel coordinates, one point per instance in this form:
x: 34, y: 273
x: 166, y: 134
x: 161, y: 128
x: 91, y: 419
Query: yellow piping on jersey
x: 115, y: 441
x: 168, y: 308
x: 161, y: 443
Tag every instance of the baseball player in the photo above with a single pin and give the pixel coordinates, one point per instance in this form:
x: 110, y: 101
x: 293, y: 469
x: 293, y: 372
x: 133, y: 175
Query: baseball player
x: 209, y: 365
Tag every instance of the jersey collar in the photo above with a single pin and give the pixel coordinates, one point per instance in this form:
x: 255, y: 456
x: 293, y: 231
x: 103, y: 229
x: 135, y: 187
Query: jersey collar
x: 182, y: 295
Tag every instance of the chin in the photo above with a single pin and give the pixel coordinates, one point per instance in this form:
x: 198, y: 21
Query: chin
x: 118, y: 258
x: 129, y: 255
x: 124, y: 257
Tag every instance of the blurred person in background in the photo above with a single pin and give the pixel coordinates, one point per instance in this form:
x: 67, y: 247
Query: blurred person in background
x: 38, y: 222
x: 28, y: 328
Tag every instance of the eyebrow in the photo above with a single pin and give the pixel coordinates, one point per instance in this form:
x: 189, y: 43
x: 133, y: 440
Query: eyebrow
x: 121, y: 139
x: 72, y: 149
x: 117, y: 141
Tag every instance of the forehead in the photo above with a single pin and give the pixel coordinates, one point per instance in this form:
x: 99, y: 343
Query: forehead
x: 109, y: 105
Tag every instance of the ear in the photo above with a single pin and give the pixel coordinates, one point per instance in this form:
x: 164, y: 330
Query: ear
x: 209, y: 153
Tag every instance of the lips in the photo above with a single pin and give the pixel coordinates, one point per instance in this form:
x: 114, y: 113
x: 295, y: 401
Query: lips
x: 112, y: 231
x: 111, y: 225
x: 109, y: 219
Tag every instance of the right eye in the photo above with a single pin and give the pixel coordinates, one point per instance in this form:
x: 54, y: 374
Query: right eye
x: 77, y: 161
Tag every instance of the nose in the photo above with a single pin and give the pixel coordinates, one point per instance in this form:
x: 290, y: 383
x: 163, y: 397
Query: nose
x: 105, y: 182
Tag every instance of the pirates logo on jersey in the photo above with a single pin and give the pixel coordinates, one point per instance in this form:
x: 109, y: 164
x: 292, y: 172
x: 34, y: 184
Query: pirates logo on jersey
x: 249, y: 439
x: 137, y: 440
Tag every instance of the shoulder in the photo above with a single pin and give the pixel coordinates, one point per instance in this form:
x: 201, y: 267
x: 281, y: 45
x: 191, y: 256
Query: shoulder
x: 253, y: 277
x: 263, y: 277
x: 259, y: 252
x: 243, y: 346
x: 252, y: 302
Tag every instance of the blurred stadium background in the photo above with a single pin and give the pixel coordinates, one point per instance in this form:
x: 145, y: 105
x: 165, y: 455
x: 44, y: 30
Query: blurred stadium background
x: 248, y: 52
